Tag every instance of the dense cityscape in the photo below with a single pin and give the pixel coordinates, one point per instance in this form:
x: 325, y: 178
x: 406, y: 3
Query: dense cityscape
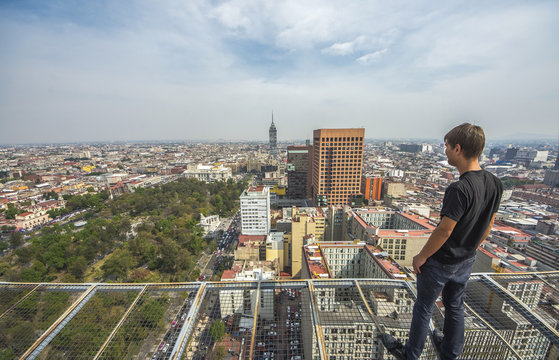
x: 338, y: 207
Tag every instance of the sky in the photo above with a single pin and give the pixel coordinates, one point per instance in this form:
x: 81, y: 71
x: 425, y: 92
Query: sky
x: 79, y: 71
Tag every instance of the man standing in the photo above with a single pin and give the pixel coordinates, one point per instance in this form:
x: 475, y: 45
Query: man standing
x: 444, y: 264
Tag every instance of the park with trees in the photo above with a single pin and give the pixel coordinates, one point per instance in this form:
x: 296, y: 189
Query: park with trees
x: 149, y: 235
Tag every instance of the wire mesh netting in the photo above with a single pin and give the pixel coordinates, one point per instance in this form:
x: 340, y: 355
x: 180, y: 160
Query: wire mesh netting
x: 477, y: 330
x: 223, y: 322
x: 22, y: 325
x: 283, y: 317
x: 507, y: 316
x: 85, y: 333
x: 538, y: 292
x: 152, y: 328
x: 391, y: 303
x: 513, y: 321
x: 552, y: 278
x: 10, y: 294
x: 347, y: 326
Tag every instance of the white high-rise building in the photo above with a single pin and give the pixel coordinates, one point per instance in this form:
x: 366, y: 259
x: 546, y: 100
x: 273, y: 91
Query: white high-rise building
x: 531, y: 155
x: 255, y: 211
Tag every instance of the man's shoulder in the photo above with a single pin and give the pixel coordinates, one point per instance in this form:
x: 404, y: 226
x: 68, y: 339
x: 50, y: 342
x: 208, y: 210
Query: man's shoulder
x: 495, y: 179
x: 469, y: 182
x: 467, y: 177
x: 453, y: 186
x: 489, y: 174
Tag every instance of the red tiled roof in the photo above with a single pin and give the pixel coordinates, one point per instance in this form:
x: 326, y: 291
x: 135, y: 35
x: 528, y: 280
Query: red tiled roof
x: 244, y: 239
x: 360, y: 220
x: 399, y: 234
x: 418, y: 219
x: 487, y: 253
x: 506, y: 228
x: 48, y: 203
x: 228, y: 275
x: 258, y: 188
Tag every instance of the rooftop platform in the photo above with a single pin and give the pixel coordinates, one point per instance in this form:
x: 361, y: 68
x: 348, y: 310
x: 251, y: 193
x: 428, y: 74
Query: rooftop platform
x: 508, y: 316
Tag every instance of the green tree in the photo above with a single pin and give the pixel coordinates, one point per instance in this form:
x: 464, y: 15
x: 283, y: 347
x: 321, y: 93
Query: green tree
x: 35, y: 273
x: 510, y: 183
x: 169, y: 255
x: 12, y: 211
x: 194, y: 275
x: 7, y: 354
x: 53, y: 249
x: 220, y: 353
x: 20, y: 331
x: 16, y: 239
x: 125, y: 225
x: 50, y: 195
x: 78, y: 267
x: 54, y: 213
x: 24, y: 254
x: 163, y: 225
x: 118, y: 264
x: 217, y: 330
x: 152, y: 312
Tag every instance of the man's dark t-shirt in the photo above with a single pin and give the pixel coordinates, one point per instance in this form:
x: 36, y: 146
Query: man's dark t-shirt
x: 471, y: 202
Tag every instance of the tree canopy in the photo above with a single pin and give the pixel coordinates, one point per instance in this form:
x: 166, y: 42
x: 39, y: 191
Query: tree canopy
x: 148, y: 235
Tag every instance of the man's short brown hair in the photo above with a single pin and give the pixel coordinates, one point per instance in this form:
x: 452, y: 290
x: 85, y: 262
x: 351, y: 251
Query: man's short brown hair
x: 470, y: 137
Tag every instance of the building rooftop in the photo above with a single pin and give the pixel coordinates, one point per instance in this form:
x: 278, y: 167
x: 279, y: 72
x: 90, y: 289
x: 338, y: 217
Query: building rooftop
x: 247, y: 240
x: 511, y: 232
x: 319, y: 268
x: 259, y: 188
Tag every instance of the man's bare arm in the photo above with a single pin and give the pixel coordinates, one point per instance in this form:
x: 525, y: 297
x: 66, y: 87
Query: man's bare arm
x: 437, y: 239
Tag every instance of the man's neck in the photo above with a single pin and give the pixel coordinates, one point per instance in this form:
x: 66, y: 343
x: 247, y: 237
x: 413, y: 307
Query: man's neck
x: 468, y: 165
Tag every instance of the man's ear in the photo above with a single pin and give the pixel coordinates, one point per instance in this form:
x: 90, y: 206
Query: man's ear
x: 458, y: 148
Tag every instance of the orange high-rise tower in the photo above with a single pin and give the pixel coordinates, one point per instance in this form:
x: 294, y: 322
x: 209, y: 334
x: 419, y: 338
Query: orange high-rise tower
x: 337, y: 165
x: 371, y: 187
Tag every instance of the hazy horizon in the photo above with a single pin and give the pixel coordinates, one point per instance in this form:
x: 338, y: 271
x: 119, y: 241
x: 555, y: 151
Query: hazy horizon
x: 495, y: 141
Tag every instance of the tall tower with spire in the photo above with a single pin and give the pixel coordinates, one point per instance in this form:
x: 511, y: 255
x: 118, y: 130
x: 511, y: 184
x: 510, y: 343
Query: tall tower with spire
x: 556, y: 167
x: 273, y: 136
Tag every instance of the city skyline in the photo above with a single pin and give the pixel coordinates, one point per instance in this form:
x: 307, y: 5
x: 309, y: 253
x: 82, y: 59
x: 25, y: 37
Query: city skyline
x: 106, y: 72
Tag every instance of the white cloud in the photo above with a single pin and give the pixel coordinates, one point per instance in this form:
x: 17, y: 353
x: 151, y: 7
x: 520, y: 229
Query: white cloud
x: 485, y: 39
x: 371, y: 58
x: 232, y: 16
x: 345, y: 48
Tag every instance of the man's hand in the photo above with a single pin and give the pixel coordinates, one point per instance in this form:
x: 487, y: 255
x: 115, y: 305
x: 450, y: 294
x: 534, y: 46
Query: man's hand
x: 418, y: 261
x: 437, y: 239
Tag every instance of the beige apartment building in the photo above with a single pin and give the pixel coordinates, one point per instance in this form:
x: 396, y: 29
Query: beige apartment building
x: 305, y: 223
x: 402, y: 235
x: 29, y: 220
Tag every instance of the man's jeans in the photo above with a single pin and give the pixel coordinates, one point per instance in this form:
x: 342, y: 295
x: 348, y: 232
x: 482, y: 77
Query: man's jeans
x: 435, y: 278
